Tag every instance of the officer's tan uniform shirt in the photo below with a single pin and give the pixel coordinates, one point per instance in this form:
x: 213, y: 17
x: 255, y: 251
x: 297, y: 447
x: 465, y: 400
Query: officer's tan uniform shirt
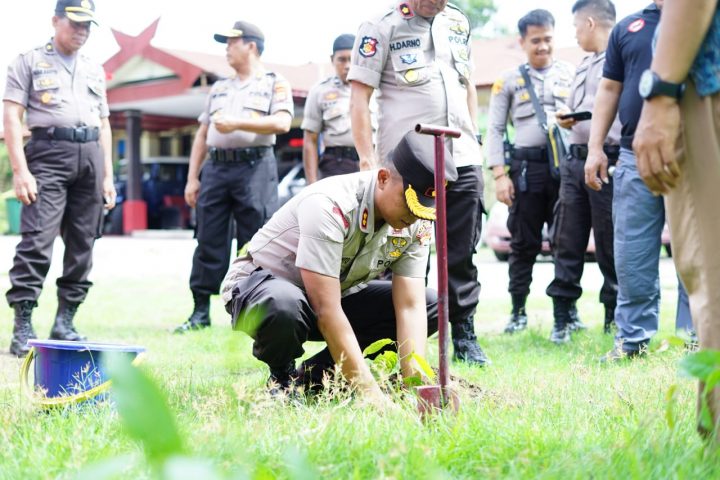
x: 329, y: 228
x: 54, y: 96
x: 582, y: 98
x: 327, y: 111
x: 422, y: 70
x: 263, y: 93
x: 511, y: 99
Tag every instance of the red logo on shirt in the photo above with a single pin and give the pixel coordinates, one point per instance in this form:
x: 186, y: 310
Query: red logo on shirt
x: 636, y: 26
x: 368, y: 47
x: 405, y: 10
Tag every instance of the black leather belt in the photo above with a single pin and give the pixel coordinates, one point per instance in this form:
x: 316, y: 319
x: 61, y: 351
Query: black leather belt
x: 579, y: 151
x: 237, y: 155
x: 531, y: 154
x: 344, y: 152
x: 68, y: 134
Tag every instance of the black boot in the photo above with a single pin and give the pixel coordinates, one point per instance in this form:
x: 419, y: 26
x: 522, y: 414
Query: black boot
x: 561, y: 329
x: 63, y: 329
x: 518, y: 317
x: 200, y: 317
x: 22, y: 330
x: 575, y: 323
x: 283, y: 381
x: 609, y: 318
x: 465, y: 344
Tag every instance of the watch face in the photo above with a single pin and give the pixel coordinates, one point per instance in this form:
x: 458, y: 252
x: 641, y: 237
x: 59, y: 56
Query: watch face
x: 646, y: 83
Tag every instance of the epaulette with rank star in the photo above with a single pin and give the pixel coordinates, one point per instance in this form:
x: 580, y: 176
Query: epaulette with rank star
x: 405, y: 10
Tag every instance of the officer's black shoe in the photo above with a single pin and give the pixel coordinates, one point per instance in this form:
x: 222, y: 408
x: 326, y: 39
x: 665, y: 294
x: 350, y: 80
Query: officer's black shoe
x: 518, y: 321
x: 561, y: 312
x: 200, y: 316
x: 609, y: 319
x: 465, y: 344
x: 63, y: 329
x: 283, y: 381
x: 575, y: 323
x: 23, y: 329
x: 620, y: 353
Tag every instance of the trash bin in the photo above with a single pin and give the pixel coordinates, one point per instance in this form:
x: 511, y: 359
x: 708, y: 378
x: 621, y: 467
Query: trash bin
x: 13, y: 207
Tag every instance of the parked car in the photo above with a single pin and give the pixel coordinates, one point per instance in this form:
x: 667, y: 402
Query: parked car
x: 497, y: 236
x: 163, y: 189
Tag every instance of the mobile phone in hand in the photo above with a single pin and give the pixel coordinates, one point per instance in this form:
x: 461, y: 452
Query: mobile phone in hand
x: 577, y: 116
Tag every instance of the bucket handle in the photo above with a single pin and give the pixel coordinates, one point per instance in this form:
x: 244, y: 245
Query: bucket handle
x: 66, y: 400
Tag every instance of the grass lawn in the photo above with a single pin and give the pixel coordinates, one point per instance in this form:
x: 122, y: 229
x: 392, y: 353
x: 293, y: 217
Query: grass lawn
x: 539, y: 411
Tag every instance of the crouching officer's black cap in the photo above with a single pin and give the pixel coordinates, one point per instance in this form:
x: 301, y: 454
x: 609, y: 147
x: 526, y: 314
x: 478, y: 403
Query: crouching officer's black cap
x: 76, y: 10
x: 414, y: 159
x: 344, y: 42
x: 241, y: 29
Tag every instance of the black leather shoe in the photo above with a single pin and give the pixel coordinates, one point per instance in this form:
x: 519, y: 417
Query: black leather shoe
x: 465, y: 345
x: 22, y: 328
x: 575, y: 324
x: 518, y: 322
x: 283, y: 381
x: 560, y: 334
x: 63, y: 328
x: 200, y: 316
x: 619, y: 353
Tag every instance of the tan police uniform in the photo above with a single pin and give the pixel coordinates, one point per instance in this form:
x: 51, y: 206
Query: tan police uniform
x: 535, y: 190
x: 422, y: 68
x: 65, y: 102
x: 579, y: 208
x: 328, y: 228
x: 240, y: 178
x: 327, y: 113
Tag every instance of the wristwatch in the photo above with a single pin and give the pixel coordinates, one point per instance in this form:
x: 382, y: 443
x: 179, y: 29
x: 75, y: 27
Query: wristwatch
x: 652, y: 86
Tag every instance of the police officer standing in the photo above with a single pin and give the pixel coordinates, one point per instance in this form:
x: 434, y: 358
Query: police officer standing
x: 327, y: 113
x: 528, y: 188
x: 237, y: 132
x: 63, y: 174
x: 309, y: 273
x: 580, y: 208
x: 418, y: 55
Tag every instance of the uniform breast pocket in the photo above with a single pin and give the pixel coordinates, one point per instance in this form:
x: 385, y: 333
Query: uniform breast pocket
x: 461, y: 59
x: 46, y: 89
x: 410, y: 68
x: 524, y: 108
x: 337, y: 117
x: 97, y: 93
x: 258, y: 104
x: 218, y: 101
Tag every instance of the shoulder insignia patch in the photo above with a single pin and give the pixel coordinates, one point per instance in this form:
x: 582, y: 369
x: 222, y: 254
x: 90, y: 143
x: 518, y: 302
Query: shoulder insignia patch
x: 498, y: 86
x: 364, y: 219
x: 405, y: 10
x: 368, y: 47
x: 636, y: 26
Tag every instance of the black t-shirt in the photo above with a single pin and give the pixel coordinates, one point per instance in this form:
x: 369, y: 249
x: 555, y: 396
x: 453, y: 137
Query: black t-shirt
x: 628, y: 55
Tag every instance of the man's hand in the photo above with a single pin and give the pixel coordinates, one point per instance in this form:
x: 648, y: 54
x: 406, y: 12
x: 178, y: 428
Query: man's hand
x: 192, y: 189
x: 224, y: 123
x: 25, y: 187
x: 596, y: 164
x: 109, y: 193
x: 654, y: 144
x: 566, y: 123
x: 504, y: 189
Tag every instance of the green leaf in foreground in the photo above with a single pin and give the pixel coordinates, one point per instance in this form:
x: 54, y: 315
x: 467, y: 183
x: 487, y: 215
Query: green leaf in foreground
x: 424, y: 365
x: 376, y: 346
x: 144, y: 410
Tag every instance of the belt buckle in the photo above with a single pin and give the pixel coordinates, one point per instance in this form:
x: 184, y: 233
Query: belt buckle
x: 80, y: 134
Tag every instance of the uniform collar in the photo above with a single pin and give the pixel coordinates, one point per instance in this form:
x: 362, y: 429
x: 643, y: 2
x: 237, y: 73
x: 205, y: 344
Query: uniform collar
x: 651, y: 8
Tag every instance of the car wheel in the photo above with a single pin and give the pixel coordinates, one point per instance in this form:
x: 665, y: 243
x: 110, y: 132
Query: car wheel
x: 502, y: 256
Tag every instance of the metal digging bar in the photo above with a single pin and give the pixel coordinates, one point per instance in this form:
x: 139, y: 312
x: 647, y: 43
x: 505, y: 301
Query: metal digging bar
x: 436, y: 397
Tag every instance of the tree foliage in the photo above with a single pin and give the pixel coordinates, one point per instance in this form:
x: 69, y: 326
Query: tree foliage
x: 477, y: 11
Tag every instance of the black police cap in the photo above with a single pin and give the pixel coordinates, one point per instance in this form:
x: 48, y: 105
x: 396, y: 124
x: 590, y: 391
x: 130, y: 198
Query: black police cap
x: 343, y: 42
x: 76, y: 10
x: 240, y: 29
x: 414, y: 159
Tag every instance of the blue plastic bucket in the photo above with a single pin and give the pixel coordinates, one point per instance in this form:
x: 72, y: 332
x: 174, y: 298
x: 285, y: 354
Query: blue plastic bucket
x: 70, y: 372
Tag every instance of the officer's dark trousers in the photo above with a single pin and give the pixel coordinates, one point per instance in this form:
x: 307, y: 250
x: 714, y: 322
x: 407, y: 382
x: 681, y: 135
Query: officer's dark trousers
x: 530, y: 210
x: 580, y: 208
x: 278, y: 316
x: 244, y: 190
x: 464, y: 225
x: 331, y: 165
x: 69, y: 203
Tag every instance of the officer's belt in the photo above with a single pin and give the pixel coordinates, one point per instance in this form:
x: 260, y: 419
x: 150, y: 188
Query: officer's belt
x: 344, y: 152
x: 68, y: 134
x: 531, y: 154
x: 237, y: 155
x: 579, y: 151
